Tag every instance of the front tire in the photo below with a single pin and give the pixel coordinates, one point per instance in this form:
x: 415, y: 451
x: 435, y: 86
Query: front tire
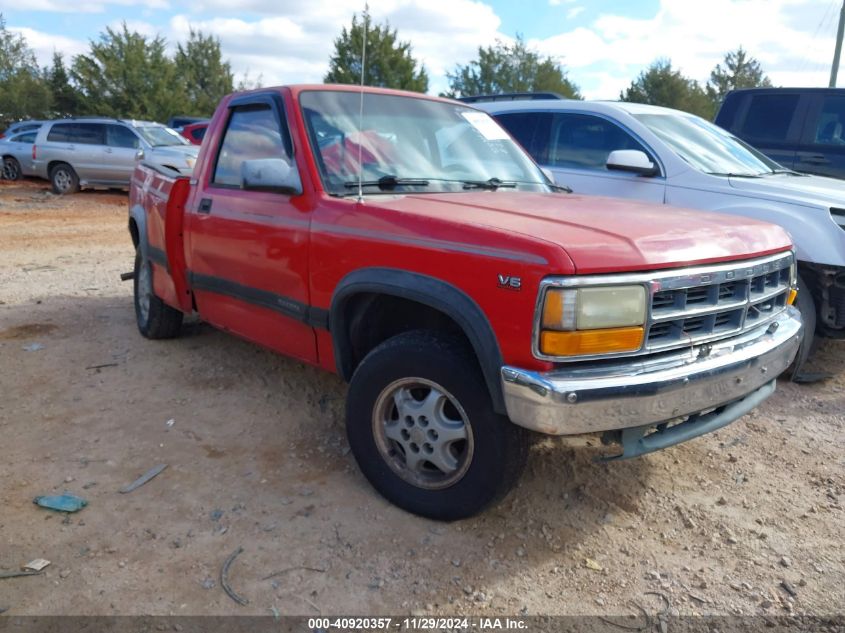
x: 421, y: 425
x: 154, y: 317
x: 11, y: 168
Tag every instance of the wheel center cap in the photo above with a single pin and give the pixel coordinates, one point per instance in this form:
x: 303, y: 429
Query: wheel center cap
x: 418, y: 436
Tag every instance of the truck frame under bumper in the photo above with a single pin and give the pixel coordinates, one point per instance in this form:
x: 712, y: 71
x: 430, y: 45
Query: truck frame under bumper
x: 726, y: 378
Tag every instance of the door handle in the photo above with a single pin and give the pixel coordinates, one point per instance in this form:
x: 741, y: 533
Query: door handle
x: 205, y: 205
x: 109, y: 150
x: 813, y: 159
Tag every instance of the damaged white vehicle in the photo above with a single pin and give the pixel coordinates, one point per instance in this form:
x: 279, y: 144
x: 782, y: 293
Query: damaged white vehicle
x: 662, y: 155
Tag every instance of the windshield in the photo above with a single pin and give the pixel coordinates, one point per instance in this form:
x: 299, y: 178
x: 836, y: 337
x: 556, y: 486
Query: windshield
x: 410, y: 144
x: 707, y: 147
x: 158, y: 136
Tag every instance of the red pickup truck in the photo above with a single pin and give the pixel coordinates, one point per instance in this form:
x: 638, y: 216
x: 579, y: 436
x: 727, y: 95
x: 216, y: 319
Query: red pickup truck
x: 407, y: 243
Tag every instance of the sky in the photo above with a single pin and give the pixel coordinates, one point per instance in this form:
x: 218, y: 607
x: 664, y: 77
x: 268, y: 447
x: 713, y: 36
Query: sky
x: 602, y: 44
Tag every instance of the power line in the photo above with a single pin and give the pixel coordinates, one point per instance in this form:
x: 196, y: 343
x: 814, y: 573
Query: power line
x: 822, y: 25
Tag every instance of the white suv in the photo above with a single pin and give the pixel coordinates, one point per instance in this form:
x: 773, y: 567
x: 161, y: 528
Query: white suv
x: 102, y: 152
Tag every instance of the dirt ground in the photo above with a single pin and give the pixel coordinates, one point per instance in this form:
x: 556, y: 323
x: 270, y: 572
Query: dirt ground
x: 732, y: 523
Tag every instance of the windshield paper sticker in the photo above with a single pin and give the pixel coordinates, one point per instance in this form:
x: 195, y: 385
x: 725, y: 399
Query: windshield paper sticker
x: 484, y: 124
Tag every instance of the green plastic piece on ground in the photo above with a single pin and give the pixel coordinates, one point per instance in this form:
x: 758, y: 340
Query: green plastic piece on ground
x: 61, y: 503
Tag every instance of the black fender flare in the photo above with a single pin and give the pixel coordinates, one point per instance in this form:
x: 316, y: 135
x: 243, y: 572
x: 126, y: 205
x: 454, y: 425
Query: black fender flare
x: 429, y: 291
x: 139, y: 216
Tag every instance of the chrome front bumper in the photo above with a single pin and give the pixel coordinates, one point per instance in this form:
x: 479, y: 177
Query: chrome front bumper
x: 649, y: 391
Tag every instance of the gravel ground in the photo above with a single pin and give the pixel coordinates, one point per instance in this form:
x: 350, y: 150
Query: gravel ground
x: 748, y: 520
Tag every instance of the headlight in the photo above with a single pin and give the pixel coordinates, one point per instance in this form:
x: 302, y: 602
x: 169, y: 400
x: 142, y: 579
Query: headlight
x: 588, y: 321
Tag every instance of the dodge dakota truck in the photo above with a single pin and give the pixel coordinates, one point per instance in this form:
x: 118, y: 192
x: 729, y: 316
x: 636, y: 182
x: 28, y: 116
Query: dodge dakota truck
x: 407, y: 243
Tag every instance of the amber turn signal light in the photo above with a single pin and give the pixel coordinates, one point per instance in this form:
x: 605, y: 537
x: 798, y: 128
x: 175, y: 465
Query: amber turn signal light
x: 587, y: 342
x: 793, y: 293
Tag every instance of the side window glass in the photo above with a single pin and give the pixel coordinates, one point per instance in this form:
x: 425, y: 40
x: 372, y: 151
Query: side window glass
x: 253, y: 132
x: 769, y: 116
x: 523, y: 127
x: 584, y: 142
x: 531, y: 130
x: 199, y: 133
x: 59, y: 133
x: 88, y: 134
x: 26, y: 137
x: 832, y: 118
x: 119, y: 136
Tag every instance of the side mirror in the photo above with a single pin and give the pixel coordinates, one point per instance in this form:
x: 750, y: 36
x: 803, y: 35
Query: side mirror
x: 270, y: 174
x: 631, y: 160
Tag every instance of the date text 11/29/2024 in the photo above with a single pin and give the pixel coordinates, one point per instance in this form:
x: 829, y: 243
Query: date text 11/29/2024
x: 416, y: 624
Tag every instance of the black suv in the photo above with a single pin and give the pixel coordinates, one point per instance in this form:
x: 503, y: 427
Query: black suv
x: 800, y: 128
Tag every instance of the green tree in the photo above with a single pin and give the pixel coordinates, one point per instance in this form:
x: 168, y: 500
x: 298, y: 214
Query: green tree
x: 202, y: 70
x: 66, y: 98
x: 23, y: 92
x: 389, y: 61
x: 662, y: 85
x: 510, y: 68
x: 126, y: 74
x: 740, y: 71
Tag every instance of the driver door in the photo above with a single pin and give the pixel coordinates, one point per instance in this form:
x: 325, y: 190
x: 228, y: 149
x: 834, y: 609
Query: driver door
x: 575, y: 146
x: 248, y: 250
x: 579, y: 145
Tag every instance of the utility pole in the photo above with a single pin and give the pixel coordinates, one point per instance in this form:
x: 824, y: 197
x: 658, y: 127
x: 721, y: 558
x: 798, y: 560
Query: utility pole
x: 835, y: 68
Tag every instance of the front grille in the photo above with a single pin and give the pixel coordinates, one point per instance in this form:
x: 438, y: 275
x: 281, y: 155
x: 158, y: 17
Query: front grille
x: 693, y: 307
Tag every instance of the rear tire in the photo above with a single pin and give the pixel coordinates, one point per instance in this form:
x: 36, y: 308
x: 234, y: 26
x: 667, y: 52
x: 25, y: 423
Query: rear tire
x: 11, y: 168
x: 421, y: 424
x: 64, y: 179
x: 154, y: 317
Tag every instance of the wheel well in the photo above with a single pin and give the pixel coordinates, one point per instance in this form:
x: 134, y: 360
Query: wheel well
x: 53, y: 163
x: 370, y: 305
x: 826, y: 287
x: 371, y: 319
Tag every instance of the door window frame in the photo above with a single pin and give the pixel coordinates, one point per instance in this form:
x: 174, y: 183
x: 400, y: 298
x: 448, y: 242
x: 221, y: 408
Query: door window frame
x: 276, y: 106
x: 650, y: 152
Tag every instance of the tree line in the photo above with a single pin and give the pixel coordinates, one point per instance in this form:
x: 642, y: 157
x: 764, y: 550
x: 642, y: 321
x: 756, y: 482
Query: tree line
x: 123, y: 74
x: 127, y: 74
x: 515, y: 67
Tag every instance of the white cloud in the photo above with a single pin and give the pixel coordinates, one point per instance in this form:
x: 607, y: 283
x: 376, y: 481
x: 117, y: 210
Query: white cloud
x: 45, y: 44
x: 85, y: 6
x: 695, y: 36
x: 574, y: 12
x: 296, y: 47
x: 293, y: 43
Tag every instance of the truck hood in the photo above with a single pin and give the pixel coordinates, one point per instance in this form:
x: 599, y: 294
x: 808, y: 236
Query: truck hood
x: 600, y: 234
x: 818, y: 190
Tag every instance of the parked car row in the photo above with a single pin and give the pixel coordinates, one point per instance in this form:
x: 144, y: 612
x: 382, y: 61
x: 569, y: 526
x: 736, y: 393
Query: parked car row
x: 92, y: 151
x: 674, y: 158
x: 616, y: 149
